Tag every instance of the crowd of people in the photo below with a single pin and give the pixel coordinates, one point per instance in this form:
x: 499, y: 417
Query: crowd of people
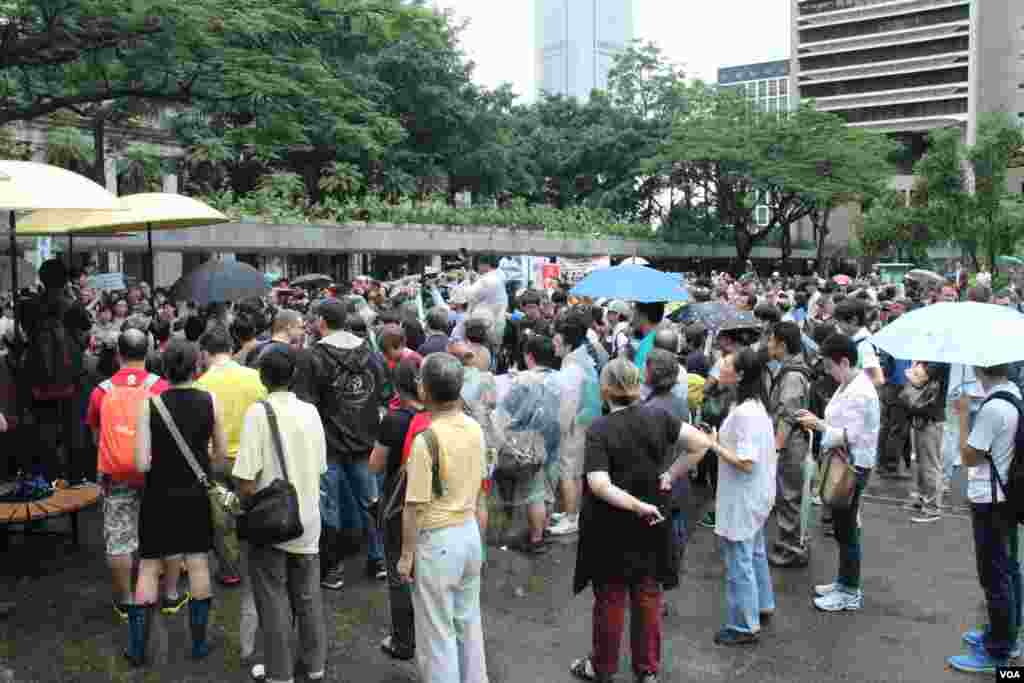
x: 400, y: 414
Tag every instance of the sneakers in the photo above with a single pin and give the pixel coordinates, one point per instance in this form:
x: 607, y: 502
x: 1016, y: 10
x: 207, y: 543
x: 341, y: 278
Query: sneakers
x: 708, y: 520
x: 334, y: 579
x: 121, y: 610
x: 976, y: 640
x: 914, y: 504
x: 170, y: 606
x: 565, y: 526
x: 376, y: 569
x: 731, y: 637
x: 840, y: 600
x: 976, y: 661
x: 824, y: 589
x: 525, y: 545
x: 927, y: 515
x: 647, y: 677
x: 816, y: 500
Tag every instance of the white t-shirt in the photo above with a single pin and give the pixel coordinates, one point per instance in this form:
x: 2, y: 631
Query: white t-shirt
x: 744, y: 501
x: 867, y: 355
x: 995, y: 431
x: 305, y: 454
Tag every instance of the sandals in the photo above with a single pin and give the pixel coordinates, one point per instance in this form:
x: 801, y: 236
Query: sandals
x: 394, y: 651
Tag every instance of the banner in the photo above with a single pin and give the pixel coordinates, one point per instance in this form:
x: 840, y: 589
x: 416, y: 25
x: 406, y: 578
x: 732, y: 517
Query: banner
x: 575, y: 269
x: 107, y: 282
x: 550, y: 273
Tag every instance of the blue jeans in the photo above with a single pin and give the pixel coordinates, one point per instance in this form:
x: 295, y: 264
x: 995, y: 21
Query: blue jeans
x: 998, y: 574
x: 680, y: 534
x: 748, y: 584
x: 346, y: 491
x: 446, y: 600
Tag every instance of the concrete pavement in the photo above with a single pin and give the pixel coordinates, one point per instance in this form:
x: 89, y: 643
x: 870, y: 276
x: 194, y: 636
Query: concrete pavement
x: 920, y: 587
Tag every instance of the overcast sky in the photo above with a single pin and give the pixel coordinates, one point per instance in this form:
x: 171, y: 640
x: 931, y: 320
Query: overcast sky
x: 702, y: 35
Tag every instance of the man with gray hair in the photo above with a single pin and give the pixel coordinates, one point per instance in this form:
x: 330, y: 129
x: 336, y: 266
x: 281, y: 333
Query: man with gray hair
x: 441, y: 543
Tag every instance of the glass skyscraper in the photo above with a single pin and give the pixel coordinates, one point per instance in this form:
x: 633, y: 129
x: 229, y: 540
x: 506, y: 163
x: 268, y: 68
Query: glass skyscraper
x: 577, y: 41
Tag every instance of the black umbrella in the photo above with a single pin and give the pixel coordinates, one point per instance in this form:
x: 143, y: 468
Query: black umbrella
x: 715, y: 316
x: 221, y: 282
x: 312, y: 280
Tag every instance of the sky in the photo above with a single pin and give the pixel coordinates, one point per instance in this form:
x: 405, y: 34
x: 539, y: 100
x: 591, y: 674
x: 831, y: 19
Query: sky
x: 701, y: 35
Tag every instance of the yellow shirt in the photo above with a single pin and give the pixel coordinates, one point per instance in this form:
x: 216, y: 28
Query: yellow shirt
x: 461, y: 455
x: 234, y: 388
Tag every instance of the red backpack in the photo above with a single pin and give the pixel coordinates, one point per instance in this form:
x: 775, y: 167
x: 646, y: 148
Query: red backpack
x: 119, y: 417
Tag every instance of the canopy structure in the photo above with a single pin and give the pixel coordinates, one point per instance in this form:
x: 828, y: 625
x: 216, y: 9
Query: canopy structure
x: 135, y: 212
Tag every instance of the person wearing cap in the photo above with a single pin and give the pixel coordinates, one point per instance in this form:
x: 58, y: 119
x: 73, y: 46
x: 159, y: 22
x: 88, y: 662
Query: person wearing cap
x: 618, y: 327
x: 626, y: 550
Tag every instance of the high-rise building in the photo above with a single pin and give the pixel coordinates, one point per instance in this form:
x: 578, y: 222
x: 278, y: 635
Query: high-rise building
x: 907, y: 66
x: 767, y: 85
x: 577, y: 41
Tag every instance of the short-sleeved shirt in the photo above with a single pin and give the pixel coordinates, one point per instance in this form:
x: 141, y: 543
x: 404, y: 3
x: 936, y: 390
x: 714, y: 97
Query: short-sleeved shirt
x: 393, y: 429
x: 634, y: 446
x: 994, y: 432
x: 235, y: 388
x: 867, y: 356
x: 744, y: 500
x: 305, y: 454
x: 462, y: 466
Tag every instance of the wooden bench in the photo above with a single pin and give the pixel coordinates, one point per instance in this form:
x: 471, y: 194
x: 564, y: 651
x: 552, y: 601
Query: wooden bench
x: 18, y: 517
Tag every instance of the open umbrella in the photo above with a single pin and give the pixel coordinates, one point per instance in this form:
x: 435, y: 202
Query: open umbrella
x: 27, y: 186
x: 635, y: 261
x: 969, y: 333
x: 842, y: 280
x: 632, y: 283
x: 1009, y: 261
x: 715, y: 316
x: 147, y: 211
x: 925, y: 277
x: 221, y: 282
x: 312, y: 281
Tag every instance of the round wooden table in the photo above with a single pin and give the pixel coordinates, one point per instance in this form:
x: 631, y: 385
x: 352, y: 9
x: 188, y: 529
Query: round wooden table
x: 16, y: 517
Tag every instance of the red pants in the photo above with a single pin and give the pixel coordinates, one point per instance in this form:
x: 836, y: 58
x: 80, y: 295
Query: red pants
x: 644, y: 621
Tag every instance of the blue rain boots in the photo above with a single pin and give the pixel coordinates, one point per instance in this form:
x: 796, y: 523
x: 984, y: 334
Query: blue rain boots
x: 140, y: 619
x: 199, y: 617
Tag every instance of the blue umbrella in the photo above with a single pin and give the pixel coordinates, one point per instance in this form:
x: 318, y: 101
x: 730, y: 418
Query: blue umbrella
x: 969, y: 333
x: 632, y: 283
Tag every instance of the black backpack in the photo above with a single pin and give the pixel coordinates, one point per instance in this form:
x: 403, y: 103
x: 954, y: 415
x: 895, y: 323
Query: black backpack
x: 54, y: 360
x: 1013, y: 487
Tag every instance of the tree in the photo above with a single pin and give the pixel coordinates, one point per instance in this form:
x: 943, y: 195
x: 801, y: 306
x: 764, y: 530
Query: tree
x: 735, y: 158
x: 1000, y: 220
x: 890, y: 226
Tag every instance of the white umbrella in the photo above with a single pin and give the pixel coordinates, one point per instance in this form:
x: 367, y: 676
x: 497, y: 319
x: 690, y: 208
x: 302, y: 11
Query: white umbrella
x: 969, y: 333
x: 635, y: 261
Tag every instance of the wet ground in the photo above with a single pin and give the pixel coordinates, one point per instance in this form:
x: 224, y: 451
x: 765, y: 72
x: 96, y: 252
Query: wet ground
x: 920, y: 587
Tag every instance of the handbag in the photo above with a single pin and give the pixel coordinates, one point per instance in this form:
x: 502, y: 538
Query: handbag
x: 271, y: 515
x: 224, y: 504
x: 839, y: 478
x: 521, y: 455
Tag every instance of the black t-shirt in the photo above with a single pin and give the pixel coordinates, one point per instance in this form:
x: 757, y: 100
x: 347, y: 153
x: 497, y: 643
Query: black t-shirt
x: 393, y: 429
x: 634, y: 446
x: 697, y: 363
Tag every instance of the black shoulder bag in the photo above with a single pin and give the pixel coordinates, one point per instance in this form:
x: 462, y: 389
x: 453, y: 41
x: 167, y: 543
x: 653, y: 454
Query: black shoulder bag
x: 271, y: 516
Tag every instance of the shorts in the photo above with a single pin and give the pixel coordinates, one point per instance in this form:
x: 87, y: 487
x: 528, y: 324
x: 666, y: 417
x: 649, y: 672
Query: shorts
x: 121, y: 520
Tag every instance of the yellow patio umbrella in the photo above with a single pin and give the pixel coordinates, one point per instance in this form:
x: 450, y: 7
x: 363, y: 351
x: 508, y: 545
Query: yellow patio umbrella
x: 28, y: 186
x: 148, y: 211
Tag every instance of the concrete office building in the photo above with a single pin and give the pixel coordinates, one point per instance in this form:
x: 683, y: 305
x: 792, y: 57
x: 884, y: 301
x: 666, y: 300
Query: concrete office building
x: 577, y: 41
x: 908, y: 66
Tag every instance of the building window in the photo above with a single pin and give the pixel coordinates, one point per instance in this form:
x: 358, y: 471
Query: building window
x: 773, y: 88
x: 784, y: 86
x: 762, y: 88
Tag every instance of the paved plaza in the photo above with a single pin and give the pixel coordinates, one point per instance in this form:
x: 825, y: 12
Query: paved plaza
x: 920, y: 585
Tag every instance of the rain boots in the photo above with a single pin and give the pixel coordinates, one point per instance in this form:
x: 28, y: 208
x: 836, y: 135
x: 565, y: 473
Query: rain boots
x: 199, y: 617
x: 140, y: 619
